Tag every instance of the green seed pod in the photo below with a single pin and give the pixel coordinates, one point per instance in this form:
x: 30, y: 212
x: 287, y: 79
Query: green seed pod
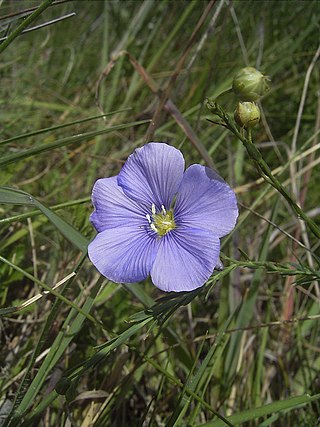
x: 249, y: 84
x: 247, y: 114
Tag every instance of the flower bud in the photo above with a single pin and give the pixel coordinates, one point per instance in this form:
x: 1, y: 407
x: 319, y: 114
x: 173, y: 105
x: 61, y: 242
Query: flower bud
x: 249, y: 84
x: 247, y: 114
x: 213, y: 106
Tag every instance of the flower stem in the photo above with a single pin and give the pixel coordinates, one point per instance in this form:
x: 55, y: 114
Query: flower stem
x: 265, y: 172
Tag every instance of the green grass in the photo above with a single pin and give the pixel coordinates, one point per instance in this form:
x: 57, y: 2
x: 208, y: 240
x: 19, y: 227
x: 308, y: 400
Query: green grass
x: 244, y: 349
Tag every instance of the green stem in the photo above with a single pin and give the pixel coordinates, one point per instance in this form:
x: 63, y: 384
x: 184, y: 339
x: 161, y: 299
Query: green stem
x: 267, y: 175
x: 24, y: 24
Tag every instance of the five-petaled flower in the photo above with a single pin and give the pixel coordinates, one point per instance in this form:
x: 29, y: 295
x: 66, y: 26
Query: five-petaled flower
x: 155, y: 218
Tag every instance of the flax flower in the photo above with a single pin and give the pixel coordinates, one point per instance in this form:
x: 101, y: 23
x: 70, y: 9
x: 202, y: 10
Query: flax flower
x: 155, y: 218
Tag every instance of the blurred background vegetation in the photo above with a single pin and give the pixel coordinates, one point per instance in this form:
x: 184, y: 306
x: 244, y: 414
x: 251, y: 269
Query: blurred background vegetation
x: 245, y: 347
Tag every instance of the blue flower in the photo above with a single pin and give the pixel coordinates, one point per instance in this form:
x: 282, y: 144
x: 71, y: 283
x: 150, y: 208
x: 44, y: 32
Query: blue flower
x: 155, y: 218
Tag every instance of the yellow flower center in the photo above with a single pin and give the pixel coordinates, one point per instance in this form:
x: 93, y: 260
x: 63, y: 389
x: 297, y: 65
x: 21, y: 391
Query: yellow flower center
x: 161, y: 222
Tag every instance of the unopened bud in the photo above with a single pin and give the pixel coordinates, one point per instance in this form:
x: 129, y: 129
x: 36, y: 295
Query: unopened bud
x: 247, y: 114
x: 212, y: 106
x: 249, y: 84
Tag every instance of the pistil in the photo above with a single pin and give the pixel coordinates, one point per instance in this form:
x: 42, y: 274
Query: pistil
x: 161, y: 222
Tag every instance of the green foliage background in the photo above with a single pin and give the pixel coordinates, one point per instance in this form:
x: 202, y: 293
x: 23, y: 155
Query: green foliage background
x: 242, y: 350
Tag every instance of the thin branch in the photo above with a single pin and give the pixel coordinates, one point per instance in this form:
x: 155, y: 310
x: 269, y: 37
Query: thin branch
x: 45, y: 24
x: 23, y: 12
x: 24, y: 24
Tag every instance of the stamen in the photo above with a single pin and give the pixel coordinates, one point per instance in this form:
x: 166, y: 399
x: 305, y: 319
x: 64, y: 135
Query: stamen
x: 161, y: 222
x: 154, y: 228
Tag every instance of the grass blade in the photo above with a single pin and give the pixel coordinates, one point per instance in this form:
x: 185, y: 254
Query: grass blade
x: 13, y: 158
x: 24, y: 24
x: 17, y: 197
x: 50, y: 129
x: 253, y: 414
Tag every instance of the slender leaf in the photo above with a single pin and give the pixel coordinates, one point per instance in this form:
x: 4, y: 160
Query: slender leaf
x: 261, y: 411
x: 18, y: 197
x: 84, y: 137
x: 63, y: 125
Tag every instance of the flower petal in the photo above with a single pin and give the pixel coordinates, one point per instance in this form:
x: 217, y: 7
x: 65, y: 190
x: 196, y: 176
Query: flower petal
x: 185, y: 259
x: 205, y: 201
x: 152, y: 174
x: 113, y: 208
x: 124, y: 254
